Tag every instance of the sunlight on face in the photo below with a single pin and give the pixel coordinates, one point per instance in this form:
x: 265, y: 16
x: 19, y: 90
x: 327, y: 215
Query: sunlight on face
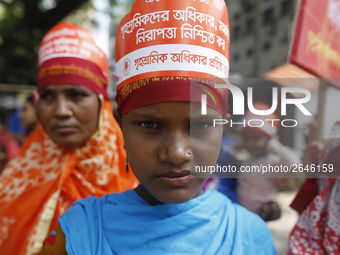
x: 163, y: 141
x: 69, y: 114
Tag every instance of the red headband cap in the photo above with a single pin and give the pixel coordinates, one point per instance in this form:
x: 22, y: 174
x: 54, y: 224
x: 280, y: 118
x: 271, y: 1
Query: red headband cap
x: 162, y: 45
x: 69, y: 55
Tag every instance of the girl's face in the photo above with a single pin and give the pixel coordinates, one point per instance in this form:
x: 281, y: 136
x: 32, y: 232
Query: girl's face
x: 69, y: 114
x: 164, y: 142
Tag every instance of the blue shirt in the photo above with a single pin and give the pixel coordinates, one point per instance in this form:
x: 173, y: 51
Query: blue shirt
x: 126, y: 224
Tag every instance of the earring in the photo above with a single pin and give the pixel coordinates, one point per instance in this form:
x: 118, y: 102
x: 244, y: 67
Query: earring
x: 101, y: 98
x: 126, y: 165
x: 70, y: 113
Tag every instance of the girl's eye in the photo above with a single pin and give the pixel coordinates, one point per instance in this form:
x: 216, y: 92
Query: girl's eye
x: 45, y: 96
x: 77, y: 95
x: 149, y: 124
x: 200, y: 125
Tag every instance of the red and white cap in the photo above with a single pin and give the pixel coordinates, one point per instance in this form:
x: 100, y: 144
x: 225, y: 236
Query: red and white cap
x: 171, y: 39
x: 68, y: 55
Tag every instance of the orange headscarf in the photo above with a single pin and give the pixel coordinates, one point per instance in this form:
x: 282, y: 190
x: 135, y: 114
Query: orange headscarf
x: 44, y: 179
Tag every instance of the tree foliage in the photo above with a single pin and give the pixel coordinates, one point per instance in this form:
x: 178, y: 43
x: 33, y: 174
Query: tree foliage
x: 22, y: 26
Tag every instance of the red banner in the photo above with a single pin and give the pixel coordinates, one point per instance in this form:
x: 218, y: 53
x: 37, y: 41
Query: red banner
x: 316, y: 42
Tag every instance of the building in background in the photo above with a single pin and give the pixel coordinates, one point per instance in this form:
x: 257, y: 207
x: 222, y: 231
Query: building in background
x: 117, y: 13
x: 260, y: 34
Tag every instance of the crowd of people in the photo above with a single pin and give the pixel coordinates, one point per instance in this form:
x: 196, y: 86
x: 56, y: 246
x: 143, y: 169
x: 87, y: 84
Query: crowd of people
x: 85, y: 182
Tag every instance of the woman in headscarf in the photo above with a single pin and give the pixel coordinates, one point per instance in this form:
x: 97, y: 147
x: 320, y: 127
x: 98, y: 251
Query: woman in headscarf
x: 256, y: 194
x: 317, y: 230
x: 166, y: 139
x: 9, y: 147
x: 75, y: 152
x: 28, y: 116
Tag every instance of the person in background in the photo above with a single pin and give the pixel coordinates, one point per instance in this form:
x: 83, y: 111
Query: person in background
x: 75, y: 152
x: 28, y: 116
x: 227, y: 157
x: 3, y: 158
x: 9, y: 147
x: 165, y: 135
x: 226, y: 183
x: 317, y: 230
x: 256, y: 194
x: 114, y: 109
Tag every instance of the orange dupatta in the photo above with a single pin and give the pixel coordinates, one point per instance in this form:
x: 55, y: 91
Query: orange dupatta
x: 44, y: 179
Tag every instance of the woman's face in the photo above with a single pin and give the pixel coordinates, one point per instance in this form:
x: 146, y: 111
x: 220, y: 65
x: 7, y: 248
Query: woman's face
x: 69, y: 113
x: 256, y: 146
x: 27, y: 115
x: 164, y: 142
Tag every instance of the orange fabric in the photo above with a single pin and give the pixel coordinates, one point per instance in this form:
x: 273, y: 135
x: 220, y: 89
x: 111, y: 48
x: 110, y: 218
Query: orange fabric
x: 42, y: 168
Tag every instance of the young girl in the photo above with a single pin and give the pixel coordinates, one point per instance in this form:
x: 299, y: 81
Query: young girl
x: 166, y: 136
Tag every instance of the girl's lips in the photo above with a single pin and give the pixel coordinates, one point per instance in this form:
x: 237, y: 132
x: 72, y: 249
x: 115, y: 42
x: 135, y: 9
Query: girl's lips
x: 175, y: 178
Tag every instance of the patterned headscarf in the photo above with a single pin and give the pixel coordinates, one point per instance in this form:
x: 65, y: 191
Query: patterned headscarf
x: 318, y: 229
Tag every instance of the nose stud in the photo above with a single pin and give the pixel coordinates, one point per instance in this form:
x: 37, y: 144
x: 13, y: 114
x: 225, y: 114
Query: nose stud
x: 70, y: 113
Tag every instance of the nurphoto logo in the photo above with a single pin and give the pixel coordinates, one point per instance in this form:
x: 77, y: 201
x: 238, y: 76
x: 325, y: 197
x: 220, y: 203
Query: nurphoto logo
x: 238, y: 105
